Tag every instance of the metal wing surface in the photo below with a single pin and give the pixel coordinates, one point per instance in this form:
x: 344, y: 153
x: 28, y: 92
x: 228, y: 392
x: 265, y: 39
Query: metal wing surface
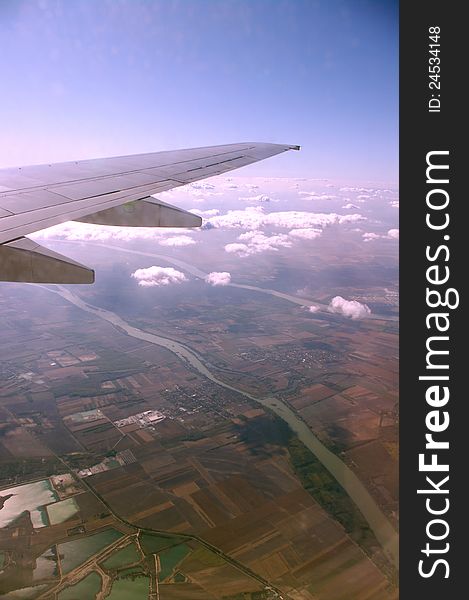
x: 108, y: 191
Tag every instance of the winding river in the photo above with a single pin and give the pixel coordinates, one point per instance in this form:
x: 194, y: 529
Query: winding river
x: 377, y: 520
x: 202, y: 275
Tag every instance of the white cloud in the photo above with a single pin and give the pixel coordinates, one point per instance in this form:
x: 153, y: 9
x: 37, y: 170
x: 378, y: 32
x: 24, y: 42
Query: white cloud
x: 349, y: 308
x: 254, y: 217
x: 369, y: 237
x: 306, y: 234
x: 212, y: 212
x: 157, y: 276
x: 218, y: 278
x: 177, y: 240
x: 313, y: 308
x: 392, y: 234
x: 99, y: 233
x: 259, y: 198
x: 316, y: 196
x: 394, y: 203
x: 254, y: 242
x: 197, y: 190
x: 202, y: 185
x: 259, y: 242
x: 239, y: 249
x: 357, y: 189
x: 350, y: 206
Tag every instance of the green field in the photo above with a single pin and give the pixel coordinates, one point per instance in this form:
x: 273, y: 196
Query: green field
x: 86, y: 588
x: 77, y: 552
x: 170, y: 558
x: 126, y: 556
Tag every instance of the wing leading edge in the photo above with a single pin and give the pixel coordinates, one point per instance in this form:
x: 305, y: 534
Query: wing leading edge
x: 107, y: 191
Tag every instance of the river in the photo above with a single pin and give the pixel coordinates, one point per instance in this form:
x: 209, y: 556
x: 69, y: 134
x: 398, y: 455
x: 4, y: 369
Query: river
x: 202, y: 275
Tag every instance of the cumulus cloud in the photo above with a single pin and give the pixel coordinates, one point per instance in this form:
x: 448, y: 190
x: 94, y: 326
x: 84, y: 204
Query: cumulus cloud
x: 369, y: 237
x: 177, y: 240
x: 218, y: 278
x: 254, y: 217
x: 306, y: 234
x: 254, y: 242
x: 350, y: 206
x: 313, y: 308
x: 394, y: 203
x: 259, y: 242
x: 392, y: 234
x: 349, y: 308
x: 239, y: 249
x: 158, y: 276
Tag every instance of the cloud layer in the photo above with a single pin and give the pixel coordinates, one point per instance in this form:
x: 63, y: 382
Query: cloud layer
x: 101, y: 233
x: 254, y: 217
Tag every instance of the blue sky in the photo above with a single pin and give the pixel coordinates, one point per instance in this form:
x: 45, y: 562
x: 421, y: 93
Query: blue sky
x: 90, y: 78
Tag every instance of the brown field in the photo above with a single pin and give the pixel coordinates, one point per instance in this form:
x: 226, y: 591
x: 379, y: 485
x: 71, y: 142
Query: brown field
x: 251, y: 506
x: 19, y: 442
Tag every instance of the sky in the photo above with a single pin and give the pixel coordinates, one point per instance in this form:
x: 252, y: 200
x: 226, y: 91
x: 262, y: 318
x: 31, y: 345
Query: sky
x: 93, y: 78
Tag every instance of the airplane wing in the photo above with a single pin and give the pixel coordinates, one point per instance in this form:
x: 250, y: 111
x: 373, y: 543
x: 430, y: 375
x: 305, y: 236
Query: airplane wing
x: 106, y: 191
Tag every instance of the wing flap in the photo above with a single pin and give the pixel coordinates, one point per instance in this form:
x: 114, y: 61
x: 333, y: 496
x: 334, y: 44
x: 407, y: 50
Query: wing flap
x: 24, y: 260
x: 148, y: 212
x: 28, y: 221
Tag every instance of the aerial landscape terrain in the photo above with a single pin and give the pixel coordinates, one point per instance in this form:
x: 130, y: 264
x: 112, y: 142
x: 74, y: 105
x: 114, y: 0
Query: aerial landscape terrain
x: 217, y: 416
